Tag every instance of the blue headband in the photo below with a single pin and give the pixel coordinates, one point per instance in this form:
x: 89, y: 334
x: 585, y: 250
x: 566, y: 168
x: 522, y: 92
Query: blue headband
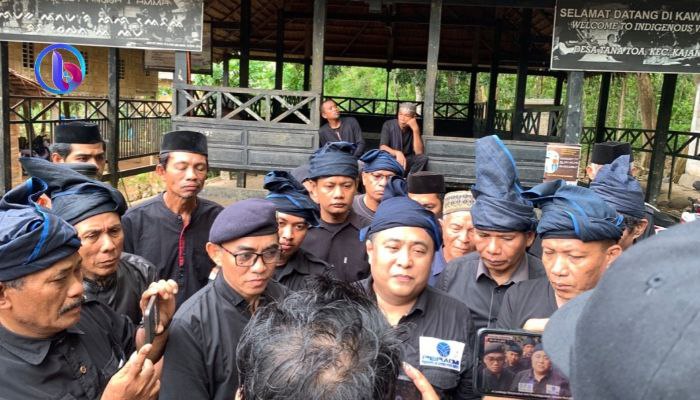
x: 290, y: 197
x: 31, y: 237
x: 380, y: 160
x: 614, y: 184
x: 333, y: 159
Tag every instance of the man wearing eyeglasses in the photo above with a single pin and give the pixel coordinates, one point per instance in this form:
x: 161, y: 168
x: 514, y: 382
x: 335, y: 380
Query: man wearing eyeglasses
x: 378, y: 167
x: 201, y: 362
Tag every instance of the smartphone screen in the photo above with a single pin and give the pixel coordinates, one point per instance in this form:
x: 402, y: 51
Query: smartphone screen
x: 514, y: 364
x: 150, y: 319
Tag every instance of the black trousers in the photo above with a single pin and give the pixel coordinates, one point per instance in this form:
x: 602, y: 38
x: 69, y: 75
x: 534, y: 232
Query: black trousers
x: 415, y: 163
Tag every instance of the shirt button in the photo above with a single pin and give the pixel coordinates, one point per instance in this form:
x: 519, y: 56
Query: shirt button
x: 83, y: 369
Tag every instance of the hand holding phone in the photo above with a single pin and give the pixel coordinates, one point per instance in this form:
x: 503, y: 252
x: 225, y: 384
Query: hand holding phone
x: 150, y: 319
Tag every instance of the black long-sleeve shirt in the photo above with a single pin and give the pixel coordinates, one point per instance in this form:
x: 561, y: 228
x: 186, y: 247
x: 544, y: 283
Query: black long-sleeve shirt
x: 348, y: 131
x: 299, y: 268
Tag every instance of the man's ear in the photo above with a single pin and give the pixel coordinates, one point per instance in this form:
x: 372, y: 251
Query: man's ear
x: 641, y: 228
x: 612, y: 253
x: 214, y: 252
x: 56, y: 158
x: 160, y: 170
x: 529, y: 238
x: 369, y: 246
x: 312, y: 191
x: 5, y: 302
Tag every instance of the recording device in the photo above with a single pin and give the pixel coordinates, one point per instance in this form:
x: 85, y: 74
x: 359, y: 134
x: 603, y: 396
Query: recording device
x: 150, y: 319
x: 513, y: 364
x: 406, y: 390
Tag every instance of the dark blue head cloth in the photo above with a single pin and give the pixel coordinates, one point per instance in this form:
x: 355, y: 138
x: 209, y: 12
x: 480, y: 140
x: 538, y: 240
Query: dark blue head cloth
x: 290, y: 196
x: 333, y: 159
x: 380, y: 160
x: 74, y: 197
x: 396, y: 209
x: 570, y: 211
x: 620, y: 189
x: 31, y: 237
x: 499, y: 205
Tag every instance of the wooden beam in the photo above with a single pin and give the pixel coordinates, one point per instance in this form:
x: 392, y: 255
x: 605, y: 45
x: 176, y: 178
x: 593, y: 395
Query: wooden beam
x: 663, y: 122
x: 521, y: 83
x: 226, y: 77
x: 318, y: 47
x: 432, y: 70
x: 602, y: 112
x: 181, y: 76
x: 574, y: 108
x: 558, y: 89
x: 244, y: 69
x: 472, y: 100
x: 113, y: 115
x: 493, y: 83
x: 5, y: 141
x: 279, y: 50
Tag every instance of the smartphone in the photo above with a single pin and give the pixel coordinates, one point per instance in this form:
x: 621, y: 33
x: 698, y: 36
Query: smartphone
x: 406, y: 390
x: 150, y: 319
x: 513, y: 364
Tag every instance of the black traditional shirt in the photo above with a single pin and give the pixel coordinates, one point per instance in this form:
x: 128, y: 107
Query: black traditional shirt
x: 348, y: 131
x: 439, y: 338
x: 122, y: 290
x: 340, y: 246
x: 359, y: 207
x: 157, y: 234
x: 299, y: 268
x: 467, y: 279
x: 200, y: 357
x: 75, y: 364
x: 526, y: 300
x: 551, y: 384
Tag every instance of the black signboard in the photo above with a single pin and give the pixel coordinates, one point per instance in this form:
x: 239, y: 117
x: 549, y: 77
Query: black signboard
x: 142, y: 24
x: 627, y: 36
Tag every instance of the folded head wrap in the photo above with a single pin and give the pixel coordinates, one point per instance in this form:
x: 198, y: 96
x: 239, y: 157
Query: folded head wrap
x: 380, y: 160
x: 74, y: 197
x: 31, y: 237
x: 570, y: 211
x: 499, y: 205
x: 396, y: 209
x: 290, y: 196
x: 333, y: 159
x: 617, y: 187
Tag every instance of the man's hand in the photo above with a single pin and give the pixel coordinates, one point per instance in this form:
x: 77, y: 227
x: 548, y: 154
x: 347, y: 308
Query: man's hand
x: 424, y: 387
x: 400, y: 158
x: 536, y: 325
x: 166, y: 291
x: 413, y: 124
x: 137, y: 380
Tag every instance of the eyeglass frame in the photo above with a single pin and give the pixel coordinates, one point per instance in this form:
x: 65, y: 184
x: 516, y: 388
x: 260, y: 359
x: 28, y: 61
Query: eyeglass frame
x: 255, y: 260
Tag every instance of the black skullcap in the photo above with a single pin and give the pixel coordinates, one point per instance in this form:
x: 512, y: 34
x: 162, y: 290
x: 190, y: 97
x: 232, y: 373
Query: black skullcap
x: 74, y: 197
x: 607, y: 152
x: 78, y: 132
x: 493, y: 348
x: 251, y: 217
x: 189, y: 141
x: 424, y: 182
x: 515, y: 349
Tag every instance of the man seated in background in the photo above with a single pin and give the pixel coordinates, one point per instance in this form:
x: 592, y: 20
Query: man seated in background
x: 402, y: 139
x: 296, y: 213
x: 377, y: 168
x: 340, y: 129
x: 428, y: 189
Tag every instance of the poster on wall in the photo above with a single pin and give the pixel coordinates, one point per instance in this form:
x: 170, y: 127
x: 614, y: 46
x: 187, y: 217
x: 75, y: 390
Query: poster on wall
x: 163, y: 60
x: 562, y: 162
x: 138, y: 24
x: 627, y: 36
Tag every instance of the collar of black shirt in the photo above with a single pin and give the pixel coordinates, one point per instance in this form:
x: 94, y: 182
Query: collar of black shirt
x: 273, y: 291
x: 31, y: 350
x: 420, y: 306
x: 101, y: 286
x: 521, y: 273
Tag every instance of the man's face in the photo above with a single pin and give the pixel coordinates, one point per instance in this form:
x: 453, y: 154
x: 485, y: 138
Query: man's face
x: 456, y: 228
x: 85, y: 153
x: 375, y: 182
x: 249, y: 282
x: 185, y: 173
x: 329, y: 110
x: 501, y: 251
x: 495, y: 362
x: 573, y: 266
x: 403, y: 117
x: 47, y: 302
x: 429, y: 201
x: 512, y: 358
x: 400, y: 260
x: 102, y: 242
x: 292, y: 231
x: 527, y: 350
x: 334, y: 194
x: 540, y: 362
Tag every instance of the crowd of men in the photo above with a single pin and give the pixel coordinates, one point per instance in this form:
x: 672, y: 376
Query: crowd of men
x: 322, y: 289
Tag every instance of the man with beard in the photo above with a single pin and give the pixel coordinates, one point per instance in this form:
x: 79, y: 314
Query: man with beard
x: 170, y: 230
x: 378, y: 167
x: 333, y: 173
x: 200, y: 360
x: 53, y: 343
x: 111, y: 276
x: 295, y: 214
x: 340, y: 129
x: 402, y: 139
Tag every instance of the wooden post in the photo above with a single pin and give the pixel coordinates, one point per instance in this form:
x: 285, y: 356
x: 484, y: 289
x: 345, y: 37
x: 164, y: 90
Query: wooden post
x: 113, y: 115
x: 319, y: 38
x: 279, y: 50
x: 658, y: 156
x: 307, y: 74
x: 558, y: 89
x: 226, y: 78
x: 5, y: 143
x: 574, y: 107
x: 472, y: 99
x: 244, y: 70
x: 181, y: 77
x: 521, y: 84
x: 601, y: 116
x: 432, y: 68
x: 493, y: 82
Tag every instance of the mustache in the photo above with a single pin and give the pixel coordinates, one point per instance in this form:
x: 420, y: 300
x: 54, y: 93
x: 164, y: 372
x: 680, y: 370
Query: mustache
x: 71, y: 307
